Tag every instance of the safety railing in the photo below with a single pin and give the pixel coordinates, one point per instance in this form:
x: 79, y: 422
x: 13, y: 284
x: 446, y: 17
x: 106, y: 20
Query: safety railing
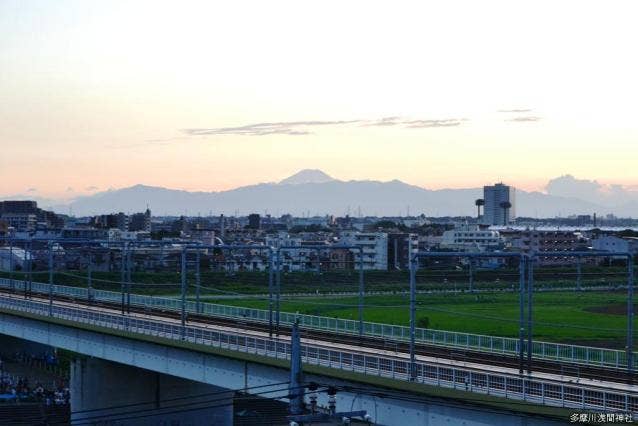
x: 551, y: 393
x: 577, y: 354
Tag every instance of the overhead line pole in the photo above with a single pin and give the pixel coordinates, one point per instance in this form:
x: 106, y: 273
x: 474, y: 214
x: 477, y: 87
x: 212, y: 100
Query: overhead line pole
x: 198, y: 282
x: 412, y: 318
x: 271, y: 275
x: 361, y: 292
x: 278, y: 293
x: 630, y: 315
x: 129, y: 255
x: 50, y: 279
x: 183, y: 301
x: 11, y: 283
x: 123, y: 274
x: 29, y: 257
x: 530, y: 307
x: 89, y: 276
x: 521, y: 319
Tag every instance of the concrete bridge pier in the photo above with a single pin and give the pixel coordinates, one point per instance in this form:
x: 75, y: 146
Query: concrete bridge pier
x: 107, y: 393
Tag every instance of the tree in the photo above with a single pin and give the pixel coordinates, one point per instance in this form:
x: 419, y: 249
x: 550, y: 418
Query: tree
x: 423, y: 322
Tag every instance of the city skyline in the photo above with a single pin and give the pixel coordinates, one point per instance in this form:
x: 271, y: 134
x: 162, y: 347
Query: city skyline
x: 214, y: 97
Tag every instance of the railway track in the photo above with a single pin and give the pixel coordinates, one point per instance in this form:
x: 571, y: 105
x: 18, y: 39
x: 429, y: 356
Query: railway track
x: 573, y: 370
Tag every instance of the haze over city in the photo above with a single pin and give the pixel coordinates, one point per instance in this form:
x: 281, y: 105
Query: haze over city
x: 214, y: 96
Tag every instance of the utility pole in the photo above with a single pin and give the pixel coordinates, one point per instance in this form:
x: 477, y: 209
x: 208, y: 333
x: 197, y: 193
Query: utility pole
x: 129, y: 265
x: 50, y: 278
x: 123, y: 275
x: 412, y: 318
x: 27, y: 259
x: 630, y: 315
x: 530, y: 308
x: 361, y: 292
x: 271, y: 275
x: 296, y: 392
x: 521, y: 319
x: 89, y: 277
x: 278, y: 291
x: 11, y: 283
x: 198, y: 282
x: 183, y: 290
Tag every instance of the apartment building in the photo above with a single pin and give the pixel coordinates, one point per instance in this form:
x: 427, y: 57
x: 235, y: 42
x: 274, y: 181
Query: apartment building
x: 535, y: 241
x: 374, y: 246
x: 471, y: 238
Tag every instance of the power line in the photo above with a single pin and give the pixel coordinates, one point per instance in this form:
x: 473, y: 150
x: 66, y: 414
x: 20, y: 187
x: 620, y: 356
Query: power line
x: 174, y: 399
x: 91, y: 420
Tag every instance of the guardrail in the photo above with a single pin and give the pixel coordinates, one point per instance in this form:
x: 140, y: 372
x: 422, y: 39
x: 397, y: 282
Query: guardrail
x: 508, y: 386
x: 576, y: 354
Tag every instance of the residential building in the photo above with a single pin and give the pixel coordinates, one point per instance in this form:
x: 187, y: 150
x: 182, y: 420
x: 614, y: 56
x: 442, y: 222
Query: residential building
x: 84, y: 233
x: 21, y: 222
x: 22, y: 213
x: 471, y: 238
x: 495, y: 196
x: 401, y: 247
x: 140, y: 221
x: 111, y: 221
x: 254, y: 221
x: 13, y: 258
x: 536, y: 241
x: 374, y: 246
x: 613, y: 243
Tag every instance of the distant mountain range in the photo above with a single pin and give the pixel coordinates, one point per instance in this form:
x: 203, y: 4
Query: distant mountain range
x: 313, y: 192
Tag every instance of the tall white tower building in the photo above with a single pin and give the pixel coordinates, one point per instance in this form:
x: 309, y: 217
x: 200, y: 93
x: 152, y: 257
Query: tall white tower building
x: 494, y: 213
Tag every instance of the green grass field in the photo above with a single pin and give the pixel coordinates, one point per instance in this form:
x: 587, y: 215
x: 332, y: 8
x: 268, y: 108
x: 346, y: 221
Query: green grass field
x: 332, y: 281
x: 592, y: 318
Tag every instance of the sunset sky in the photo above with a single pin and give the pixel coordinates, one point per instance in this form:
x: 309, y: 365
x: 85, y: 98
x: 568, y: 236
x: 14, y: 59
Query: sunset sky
x: 214, y: 95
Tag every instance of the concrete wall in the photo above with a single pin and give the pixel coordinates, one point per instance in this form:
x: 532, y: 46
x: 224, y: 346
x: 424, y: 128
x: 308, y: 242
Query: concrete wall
x: 108, y: 393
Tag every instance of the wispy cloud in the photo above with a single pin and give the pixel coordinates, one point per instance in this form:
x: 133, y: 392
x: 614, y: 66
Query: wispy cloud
x: 524, y: 118
x: 300, y: 128
x: 385, y: 121
x: 420, y: 124
x: 415, y: 124
x: 32, y: 190
x: 91, y: 188
x: 292, y: 128
x: 518, y: 111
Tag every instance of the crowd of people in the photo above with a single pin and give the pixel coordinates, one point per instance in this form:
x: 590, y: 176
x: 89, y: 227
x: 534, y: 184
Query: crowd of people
x: 15, y: 388
x: 41, y: 360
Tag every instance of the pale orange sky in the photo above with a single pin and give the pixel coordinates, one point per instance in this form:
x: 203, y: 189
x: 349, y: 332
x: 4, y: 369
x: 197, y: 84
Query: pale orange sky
x: 98, y: 95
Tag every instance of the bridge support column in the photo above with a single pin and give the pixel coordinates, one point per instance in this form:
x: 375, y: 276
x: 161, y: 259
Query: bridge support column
x: 104, y: 392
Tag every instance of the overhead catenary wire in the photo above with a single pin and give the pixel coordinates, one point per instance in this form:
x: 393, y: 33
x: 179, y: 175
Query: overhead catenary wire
x: 473, y: 405
x: 138, y: 414
x: 184, y: 407
x: 111, y: 407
